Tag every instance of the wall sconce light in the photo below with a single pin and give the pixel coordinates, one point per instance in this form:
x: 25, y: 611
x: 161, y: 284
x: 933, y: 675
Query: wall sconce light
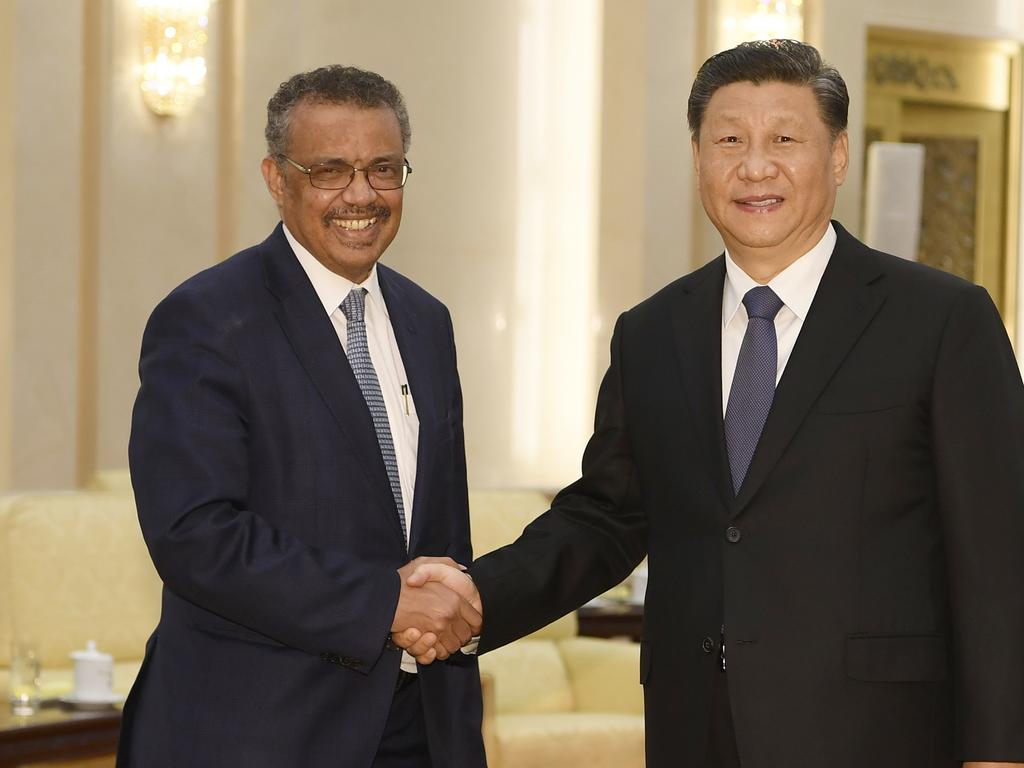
x: 174, y: 36
x: 743, y: 20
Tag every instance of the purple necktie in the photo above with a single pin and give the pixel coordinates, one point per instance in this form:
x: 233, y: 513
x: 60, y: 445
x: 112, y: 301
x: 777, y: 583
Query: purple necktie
x: 753, y: 385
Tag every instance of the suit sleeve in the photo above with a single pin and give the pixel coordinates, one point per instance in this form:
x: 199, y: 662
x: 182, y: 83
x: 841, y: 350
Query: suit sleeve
x: 591, y: 538
x: 978, y: 418
x: 190, y: 472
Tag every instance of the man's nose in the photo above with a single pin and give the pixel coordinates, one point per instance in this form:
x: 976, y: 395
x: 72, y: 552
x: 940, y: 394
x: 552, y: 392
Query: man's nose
x: 359, y: 191
x: 758, y: 163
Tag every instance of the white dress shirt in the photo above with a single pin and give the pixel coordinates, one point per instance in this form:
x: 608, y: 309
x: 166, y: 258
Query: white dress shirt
x: 332, y: 289
x: 795, y: 285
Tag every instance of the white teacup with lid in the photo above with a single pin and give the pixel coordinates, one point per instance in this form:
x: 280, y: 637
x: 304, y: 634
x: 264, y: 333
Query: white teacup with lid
x: 94, y: 674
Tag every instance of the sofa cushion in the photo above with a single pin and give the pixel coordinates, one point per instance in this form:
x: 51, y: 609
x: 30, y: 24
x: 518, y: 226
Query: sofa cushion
x: 593, y: 740
x: 73, y: 568
x: 604, y: 675
x: 110, y: 480
x: 498, y: 517
x: 529, y: 676
x: 559, y: 629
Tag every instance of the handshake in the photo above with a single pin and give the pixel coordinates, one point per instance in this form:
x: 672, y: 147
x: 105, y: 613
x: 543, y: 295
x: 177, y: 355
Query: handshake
x: 439, y: 609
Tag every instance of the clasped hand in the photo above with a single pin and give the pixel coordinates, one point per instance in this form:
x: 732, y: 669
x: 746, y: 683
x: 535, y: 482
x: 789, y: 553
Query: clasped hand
x: 439, y: 609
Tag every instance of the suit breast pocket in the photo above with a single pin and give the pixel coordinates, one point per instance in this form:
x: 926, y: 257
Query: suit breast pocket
x: 858, y: 403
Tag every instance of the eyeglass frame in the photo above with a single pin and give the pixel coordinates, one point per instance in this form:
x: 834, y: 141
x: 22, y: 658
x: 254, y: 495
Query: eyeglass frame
x: 407, y: 169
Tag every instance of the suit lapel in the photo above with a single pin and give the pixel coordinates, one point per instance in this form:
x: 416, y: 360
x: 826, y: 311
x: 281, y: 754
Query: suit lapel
x: 845, y: 302
x: 697, y: 331
x: 417, y: 353
x: 312, y: 336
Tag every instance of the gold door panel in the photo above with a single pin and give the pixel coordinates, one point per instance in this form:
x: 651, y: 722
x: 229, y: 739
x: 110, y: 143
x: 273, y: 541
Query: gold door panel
x: 957, y: 97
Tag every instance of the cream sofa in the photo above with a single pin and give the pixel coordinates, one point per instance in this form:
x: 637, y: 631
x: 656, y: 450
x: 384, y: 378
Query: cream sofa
x: 74, y: 568
x: 553, y: 698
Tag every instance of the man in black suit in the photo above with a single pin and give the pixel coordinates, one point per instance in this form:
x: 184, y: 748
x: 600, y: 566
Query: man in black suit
x: 296, y: 440
x: 820, y: 448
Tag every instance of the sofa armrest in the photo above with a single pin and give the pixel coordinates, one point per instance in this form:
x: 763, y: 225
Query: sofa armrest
x: 604, y: 674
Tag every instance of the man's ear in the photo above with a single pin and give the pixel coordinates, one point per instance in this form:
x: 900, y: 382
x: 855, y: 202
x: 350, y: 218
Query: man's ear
x: 840, y: 157
x: 274, y: 177
x: 695, y: 148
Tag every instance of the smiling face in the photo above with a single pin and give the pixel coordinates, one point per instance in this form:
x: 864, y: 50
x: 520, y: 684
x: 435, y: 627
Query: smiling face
x: 348, y: 229
x: 768, y: 171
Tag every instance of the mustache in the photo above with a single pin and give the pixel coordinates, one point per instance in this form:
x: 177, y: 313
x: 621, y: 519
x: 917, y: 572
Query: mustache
x: 370, y: 212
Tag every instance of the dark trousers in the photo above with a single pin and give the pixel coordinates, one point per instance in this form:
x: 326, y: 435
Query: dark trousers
x: 722, y: 752
x: 404, y: 743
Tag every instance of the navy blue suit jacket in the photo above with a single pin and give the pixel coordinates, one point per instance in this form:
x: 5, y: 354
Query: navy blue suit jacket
x: 266, y: 507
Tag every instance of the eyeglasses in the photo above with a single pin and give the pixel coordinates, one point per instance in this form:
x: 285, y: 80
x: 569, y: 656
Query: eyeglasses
x: 382, y: 176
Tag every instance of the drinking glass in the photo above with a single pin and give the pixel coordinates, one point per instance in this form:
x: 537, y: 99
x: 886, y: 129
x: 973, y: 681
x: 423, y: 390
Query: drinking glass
x: 24, y: 682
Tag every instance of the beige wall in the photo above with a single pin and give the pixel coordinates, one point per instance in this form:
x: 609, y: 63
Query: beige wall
x: 622, y: 233
x: 672, y: 53
x: 460, y: 73
x: 535, y: 271
x: 157, y: 216
x: 47, y: 112
x: 161, y: 198
x: 7, y: 156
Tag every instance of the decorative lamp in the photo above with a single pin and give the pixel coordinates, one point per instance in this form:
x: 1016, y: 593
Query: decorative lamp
x: 174, y: 36
x: 743, y: 20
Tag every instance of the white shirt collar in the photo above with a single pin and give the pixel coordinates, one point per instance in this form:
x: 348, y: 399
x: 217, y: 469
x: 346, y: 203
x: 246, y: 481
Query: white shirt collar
x: 330, y: 287
x: 795, y: 285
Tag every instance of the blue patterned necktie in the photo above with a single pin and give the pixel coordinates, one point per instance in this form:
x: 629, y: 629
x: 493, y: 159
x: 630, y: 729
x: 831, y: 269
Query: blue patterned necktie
x: 358, y: 353
x: 753, y: 385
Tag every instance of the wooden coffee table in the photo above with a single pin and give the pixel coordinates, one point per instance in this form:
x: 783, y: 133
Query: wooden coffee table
x: 612, y: 620
x: 57, y: 733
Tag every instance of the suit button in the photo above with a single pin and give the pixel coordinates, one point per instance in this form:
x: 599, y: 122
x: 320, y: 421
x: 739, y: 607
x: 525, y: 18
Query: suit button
x: 732, y: 534
x: 707, y: 645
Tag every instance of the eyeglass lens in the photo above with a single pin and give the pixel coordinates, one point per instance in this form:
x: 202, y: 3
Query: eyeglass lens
x: 338, y: 176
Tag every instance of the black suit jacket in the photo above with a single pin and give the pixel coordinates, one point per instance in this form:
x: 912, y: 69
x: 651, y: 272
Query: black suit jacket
x: 869, y: 574
x: 266, y: 507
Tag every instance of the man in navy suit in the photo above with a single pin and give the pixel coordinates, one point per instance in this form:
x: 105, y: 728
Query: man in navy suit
x: 296, y: 441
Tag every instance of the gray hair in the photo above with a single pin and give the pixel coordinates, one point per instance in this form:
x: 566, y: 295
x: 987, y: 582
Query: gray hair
x: 784, y: 61
x: 333, y: 84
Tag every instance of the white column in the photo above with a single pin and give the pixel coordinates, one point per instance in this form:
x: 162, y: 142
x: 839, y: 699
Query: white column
x: 557, y: 182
